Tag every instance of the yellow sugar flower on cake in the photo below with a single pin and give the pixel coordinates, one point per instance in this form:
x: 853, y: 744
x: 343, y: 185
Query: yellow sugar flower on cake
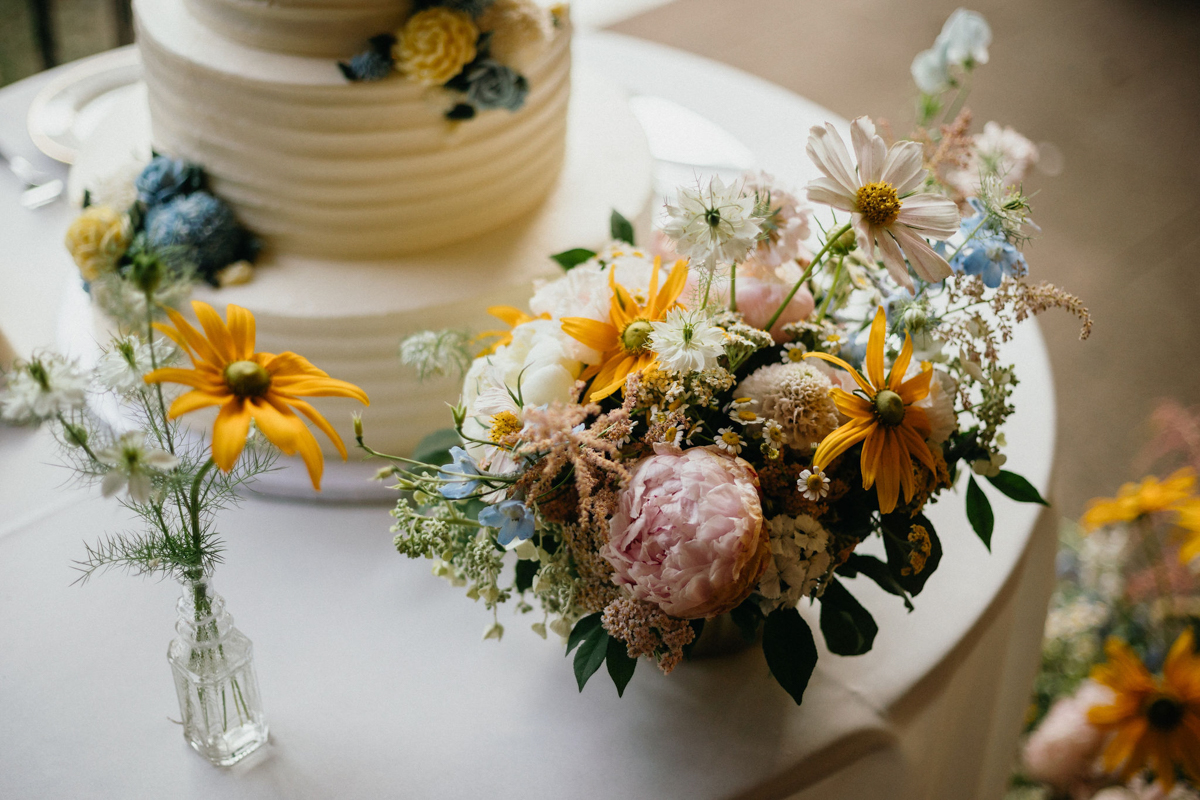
x: 1136, y: 500
x: 435, y: 44
x: 1155, y: 722
x: 884, y: 419
x: 624, y: 341
x: 248, y: 385
x: 97, y: 239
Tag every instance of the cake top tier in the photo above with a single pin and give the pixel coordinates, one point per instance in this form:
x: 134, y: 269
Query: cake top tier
x: 332, y: 28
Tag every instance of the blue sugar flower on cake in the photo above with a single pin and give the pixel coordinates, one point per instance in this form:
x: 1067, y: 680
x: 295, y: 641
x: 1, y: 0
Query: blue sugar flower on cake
x: 204, y: 229
x: 166, y: 178
x: 490, y: 84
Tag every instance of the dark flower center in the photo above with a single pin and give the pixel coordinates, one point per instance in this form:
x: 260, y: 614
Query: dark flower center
x: 247, y: 379
x: 1164, y: 713
x: 890, y: 407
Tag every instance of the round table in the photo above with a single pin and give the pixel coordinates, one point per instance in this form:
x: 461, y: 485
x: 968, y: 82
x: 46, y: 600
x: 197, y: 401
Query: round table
x: 374, y: 678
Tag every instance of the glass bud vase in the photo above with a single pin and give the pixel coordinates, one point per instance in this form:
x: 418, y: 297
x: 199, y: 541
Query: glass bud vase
x: 213, y: 665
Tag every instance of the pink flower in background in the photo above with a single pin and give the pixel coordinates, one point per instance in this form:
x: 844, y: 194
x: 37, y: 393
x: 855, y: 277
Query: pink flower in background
x: 999, y: 151
x: 760, y: 291
x: 688, y: 534
x: 786, y: 228
x: 1063, y: 751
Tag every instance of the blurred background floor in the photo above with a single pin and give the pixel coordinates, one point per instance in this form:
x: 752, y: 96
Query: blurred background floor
x: 1113, y: 87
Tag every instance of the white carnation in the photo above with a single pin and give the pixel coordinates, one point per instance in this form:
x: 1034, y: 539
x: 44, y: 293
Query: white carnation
x: 799, y: 562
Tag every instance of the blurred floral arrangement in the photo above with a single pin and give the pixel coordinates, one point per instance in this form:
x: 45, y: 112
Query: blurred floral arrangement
x: 149, y: 230
x: 712, y: 426
x: 1116, y: 711
x: 471, y: 52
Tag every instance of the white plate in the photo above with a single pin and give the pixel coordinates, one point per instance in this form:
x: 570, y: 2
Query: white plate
x: 68, y: 109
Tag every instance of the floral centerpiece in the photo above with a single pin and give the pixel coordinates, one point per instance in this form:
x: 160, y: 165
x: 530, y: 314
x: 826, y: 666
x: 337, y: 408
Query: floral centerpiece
x: 473, y: 52
x: 1116, y: 711
x: 176, y: 483
x: 713, y: 425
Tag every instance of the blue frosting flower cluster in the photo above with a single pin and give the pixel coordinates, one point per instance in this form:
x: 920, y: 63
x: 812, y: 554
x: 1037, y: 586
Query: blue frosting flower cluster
x: 987, y: 253
x: 166, y: 178
x: 491, y: 84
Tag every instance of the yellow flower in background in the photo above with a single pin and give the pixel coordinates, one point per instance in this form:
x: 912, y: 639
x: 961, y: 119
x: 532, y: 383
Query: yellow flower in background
x: 1155, y: 722
x: 435, y: 44
x: 510, y: 316
x: 97, y: 239
x: 1136, y: 500
x: 892, y: 429
x: 624, y: 341
x: 248, y: 386
x: 1189, y: 521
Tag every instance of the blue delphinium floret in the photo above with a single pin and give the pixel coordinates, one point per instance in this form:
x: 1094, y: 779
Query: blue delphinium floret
x: 166, y: 178
x: 512, y: 520
x: 491, y: 84
x: 987, y: 253
x: 202, y: 228
x: 457, y: 486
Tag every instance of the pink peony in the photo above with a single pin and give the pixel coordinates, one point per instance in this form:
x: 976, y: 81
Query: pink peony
x: 688, y: 534
x: 1062, y: 752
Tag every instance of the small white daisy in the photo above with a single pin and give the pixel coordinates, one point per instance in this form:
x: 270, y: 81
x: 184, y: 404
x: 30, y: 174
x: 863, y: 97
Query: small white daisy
x: 773, y: 433
x: 729, y: 440
x: 833, y: 342
x: 813, y: 485
x: 673, y: 435
x: 744, y: 415
x: 132, y: 465
x: 793, y: 353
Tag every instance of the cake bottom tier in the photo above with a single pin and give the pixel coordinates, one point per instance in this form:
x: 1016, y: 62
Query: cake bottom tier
x: 348, y: 317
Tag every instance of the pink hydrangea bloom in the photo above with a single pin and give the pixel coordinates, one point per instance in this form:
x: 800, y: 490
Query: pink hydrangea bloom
x: 1062, y: 752
x: 688, y: 534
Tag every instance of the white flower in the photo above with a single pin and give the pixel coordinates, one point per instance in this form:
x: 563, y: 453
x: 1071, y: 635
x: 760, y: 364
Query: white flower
x: 930, y: 70
x: 793, y: 353
x: 436, y: 353
x: 117, y: 189
x: 714, y: 225
x: 729, y: 440
x: 881, y: 196
x: 990, y: 466
x: 42, y: 389
x: 798, y: 397
x: 786, y: 224
x: 132, y: 465
x: 773, y: 433
x: 121, y: 368
x: 997, y: 151
x: 813, y: 485
x: 494, y: 631
x: 966, y: 36
x: 800, y: 559
x: 686, y: 341
x: 939, y: 404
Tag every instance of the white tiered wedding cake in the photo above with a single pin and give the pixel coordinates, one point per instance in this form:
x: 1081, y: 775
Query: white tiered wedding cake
x: 380, y: 216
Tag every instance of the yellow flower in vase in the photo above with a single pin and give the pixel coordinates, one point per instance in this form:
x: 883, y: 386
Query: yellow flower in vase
x: 884, y: 419
x: 1155, y: 722
x: 247, y: 385
x: 624, y: 341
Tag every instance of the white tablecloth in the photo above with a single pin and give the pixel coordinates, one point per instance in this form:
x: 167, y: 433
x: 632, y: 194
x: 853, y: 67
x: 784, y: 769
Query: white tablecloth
x: 373, y: 676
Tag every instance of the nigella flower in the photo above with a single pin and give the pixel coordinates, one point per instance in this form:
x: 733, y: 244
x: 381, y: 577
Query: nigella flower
x: 686, y: 341
x: 713, y: 225
x: 203, y: 227
x: 133, y: 465
x: 491, y: 84
x: 42, y: 389
x: 123, y: 367
x: 458, y: 486
x: 511, y: 518
x: 166, y: 178
x: 986, y: 252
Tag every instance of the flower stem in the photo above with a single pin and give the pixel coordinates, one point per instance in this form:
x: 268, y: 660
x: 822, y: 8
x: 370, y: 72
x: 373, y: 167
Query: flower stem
x: 733, y: 288
x: 837, y: 278
x: 162, y: 405
x: 829, y: 240
x: 970, y: 236
x: 194, y: 507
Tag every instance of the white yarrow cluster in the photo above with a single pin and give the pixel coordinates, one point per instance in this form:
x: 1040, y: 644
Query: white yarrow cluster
x: 715, y: 225
x: 963, y: 42
x: 799, y: 563
x: 42, y: 389
x: 686, y: 341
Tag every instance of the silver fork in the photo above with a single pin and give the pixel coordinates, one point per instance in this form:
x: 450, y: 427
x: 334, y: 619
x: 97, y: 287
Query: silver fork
x: 40, y: 188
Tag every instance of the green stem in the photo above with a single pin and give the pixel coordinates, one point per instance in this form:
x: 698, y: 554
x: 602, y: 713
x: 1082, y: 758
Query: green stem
x: 733, y: 288
x: 837, y: 278
x: 833, y: 237
x: 82, y: 443
x: 970, y: 236
x: 960, y: 99
x: 194, y: 507
x: 162, y: 405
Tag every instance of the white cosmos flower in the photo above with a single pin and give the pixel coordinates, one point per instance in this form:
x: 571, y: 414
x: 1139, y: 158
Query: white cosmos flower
x: 132, y: 465
x: 887, y: 211
x: 686, y: 341
x: 713, y: 225
x: 42, y: 389
x: 122, y: 367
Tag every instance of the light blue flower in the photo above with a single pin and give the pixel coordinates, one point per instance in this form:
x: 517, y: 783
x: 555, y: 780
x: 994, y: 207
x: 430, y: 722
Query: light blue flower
x: 511, y: 518
x: 457, y: 487
x: 203, y: 228
x: 166, y: 178
x: 987, y: 253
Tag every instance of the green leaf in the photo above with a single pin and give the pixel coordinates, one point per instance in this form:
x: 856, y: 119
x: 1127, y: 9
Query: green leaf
x: 979, y: 513
x: 790, y: 651
x: 849, y: 628
x: 569, y: 259
x: 876, y: 570
x: 435, y: 448
x: 621, y: 228
x: 1013, y: 485
x: 583, y: 629
x: 526, y: 571
x: 590, y: 655
x: 620, y: 665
